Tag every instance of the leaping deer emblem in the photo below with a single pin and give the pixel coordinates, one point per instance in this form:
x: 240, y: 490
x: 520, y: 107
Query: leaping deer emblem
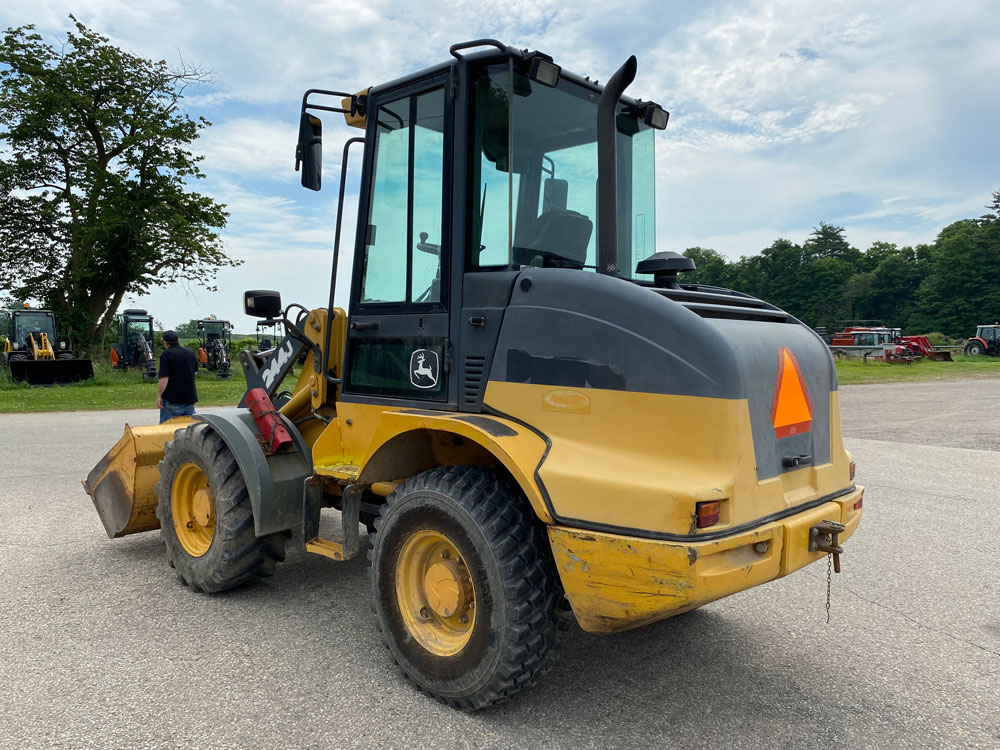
x: 423, y: 370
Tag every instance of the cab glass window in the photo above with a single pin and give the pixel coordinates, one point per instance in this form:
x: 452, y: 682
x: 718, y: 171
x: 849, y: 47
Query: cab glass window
x: 402, y: 262
x: 534, y: 197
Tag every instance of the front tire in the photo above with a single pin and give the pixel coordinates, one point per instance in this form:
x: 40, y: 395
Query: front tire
x: 974, y: 349
x: 206, y: 520
x: 464, y: 588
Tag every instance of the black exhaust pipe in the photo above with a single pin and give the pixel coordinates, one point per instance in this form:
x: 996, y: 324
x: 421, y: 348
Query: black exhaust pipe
x: 607, y: 168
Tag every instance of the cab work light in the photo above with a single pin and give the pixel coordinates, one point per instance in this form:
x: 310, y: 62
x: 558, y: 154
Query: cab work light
x: 707, y: 513
x: 656, y: 117
x: 544, y: 71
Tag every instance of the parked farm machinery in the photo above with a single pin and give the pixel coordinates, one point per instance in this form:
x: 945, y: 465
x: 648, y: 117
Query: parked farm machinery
x: 34, y: 354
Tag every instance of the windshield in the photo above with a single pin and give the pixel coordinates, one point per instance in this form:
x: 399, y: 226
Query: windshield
x: 534, y: 187
x: 215, y: 329
x: 136, y: 328
x: 35, y: 323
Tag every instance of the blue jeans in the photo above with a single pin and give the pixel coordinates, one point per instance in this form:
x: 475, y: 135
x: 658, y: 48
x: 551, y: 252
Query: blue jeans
x: 171, y: 409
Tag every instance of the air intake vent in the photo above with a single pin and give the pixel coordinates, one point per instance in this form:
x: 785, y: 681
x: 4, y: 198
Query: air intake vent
x: 474, y: 379
x: 716, y: 302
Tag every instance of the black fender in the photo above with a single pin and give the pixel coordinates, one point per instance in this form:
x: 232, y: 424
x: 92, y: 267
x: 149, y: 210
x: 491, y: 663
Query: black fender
x: 274, y: 482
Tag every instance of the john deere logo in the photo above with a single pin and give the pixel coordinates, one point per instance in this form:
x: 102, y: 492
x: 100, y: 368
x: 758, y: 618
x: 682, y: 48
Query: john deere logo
x: 424, y: 368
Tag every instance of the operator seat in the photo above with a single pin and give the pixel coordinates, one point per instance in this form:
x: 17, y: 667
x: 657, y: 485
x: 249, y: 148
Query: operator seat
x: 556, y: 238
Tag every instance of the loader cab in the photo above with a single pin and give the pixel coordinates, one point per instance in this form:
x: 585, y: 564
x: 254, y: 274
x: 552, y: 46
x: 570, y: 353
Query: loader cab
x: 474, y: 170
x: 25, y: 323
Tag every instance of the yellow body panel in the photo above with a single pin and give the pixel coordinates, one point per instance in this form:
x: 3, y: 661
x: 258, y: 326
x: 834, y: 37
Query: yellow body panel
x: 368, y: 443
x: 642, y: 460
x: 617, y: 582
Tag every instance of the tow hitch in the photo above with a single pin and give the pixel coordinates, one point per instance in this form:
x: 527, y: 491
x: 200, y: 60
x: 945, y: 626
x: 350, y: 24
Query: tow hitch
x: 824, y: 537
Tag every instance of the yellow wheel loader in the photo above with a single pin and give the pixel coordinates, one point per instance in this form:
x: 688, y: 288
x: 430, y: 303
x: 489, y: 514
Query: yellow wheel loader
x: 522, y: 402
x: 33, y: 353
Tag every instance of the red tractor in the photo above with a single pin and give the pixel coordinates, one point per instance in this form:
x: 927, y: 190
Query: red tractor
x: 920, y: 346
x: 986, y: 341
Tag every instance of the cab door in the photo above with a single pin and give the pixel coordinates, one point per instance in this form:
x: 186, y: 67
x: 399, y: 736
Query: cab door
x: 397, y: 342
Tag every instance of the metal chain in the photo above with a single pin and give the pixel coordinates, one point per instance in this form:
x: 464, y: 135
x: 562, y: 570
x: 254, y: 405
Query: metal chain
x: 829, y: 580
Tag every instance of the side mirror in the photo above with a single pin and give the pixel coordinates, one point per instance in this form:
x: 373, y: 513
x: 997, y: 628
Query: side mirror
x: 309, y: 151
x: 262, y: 303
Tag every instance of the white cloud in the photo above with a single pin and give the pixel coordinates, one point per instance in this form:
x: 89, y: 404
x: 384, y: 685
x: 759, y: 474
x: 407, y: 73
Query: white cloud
x: 865, y: 113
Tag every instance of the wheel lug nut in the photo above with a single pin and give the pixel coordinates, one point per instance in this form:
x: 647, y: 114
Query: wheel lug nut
x: 463, y: 619
x: 425, y: 613
x: 190, y: 525
x: 445, y: 554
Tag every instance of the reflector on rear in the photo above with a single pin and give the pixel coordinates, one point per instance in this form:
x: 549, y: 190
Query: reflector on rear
x: 791, y: 410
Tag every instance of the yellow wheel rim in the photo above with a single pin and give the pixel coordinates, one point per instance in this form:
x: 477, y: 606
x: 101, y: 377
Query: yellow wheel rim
x: 192, y: 505
x: 435, y: 593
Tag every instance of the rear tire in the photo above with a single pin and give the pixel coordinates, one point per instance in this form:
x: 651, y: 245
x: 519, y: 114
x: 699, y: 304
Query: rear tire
x: 458, y: 543
x: 215, y: 548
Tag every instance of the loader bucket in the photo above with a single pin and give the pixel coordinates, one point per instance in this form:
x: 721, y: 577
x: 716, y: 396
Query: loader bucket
x: 51, y: 371
x: 940, y: 357
x: 123, y: 484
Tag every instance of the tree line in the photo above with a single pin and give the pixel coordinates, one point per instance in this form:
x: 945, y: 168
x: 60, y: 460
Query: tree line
x: 949, y: 286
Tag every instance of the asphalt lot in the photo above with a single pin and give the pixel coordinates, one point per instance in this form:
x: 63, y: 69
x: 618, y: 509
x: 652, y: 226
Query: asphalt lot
x: 100, y: 646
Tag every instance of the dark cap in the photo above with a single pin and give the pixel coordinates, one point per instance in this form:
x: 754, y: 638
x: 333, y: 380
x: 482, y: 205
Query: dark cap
x: 170, y: 337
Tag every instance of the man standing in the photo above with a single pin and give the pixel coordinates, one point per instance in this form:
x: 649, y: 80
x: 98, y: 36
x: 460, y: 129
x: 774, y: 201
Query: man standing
x: 176, y: 395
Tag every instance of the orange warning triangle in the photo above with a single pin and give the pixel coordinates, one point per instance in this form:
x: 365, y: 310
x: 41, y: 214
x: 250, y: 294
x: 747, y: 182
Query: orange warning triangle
x: 791, y: 410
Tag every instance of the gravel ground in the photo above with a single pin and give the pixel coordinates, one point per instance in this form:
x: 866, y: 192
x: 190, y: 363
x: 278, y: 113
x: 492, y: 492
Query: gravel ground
x: 100, y: 646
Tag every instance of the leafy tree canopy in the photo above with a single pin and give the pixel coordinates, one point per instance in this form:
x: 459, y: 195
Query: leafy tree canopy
x: 95, y: 173
x: 951, y: 285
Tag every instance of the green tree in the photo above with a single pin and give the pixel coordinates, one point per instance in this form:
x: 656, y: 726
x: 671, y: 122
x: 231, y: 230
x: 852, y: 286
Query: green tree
x: 962, y: 288
x: 828, y: 241
x: 95, y: 200
x: 188, y: 330
x: 711, y: 268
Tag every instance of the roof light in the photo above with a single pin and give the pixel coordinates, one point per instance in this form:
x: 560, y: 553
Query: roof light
x: 655, y: 116
x: 544, y: 71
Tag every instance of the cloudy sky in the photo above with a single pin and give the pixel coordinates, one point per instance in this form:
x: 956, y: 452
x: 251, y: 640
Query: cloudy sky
x: 876, y: 115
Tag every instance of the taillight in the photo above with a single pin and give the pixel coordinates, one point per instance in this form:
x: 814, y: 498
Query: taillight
x: 707, y: 513
x: 857, y: 505
x: 853, y: 469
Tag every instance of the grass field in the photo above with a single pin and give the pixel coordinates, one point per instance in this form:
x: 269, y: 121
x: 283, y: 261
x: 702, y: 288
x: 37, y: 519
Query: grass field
x: 126, y: 390
x: 112, y: 389
x: 857, y: 372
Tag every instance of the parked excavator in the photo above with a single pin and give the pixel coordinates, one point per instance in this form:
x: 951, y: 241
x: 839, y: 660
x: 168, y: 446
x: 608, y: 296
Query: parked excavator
x: 522, y: 402
x: 134, y: 347
x: 215, y: 336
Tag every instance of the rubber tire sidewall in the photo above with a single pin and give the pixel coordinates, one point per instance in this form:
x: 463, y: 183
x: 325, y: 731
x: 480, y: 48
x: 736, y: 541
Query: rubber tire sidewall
x: 474, y: 666
x: 236, y: 555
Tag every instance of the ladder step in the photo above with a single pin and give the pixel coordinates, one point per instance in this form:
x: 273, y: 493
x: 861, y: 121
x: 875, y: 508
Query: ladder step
x: 326, y: 547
